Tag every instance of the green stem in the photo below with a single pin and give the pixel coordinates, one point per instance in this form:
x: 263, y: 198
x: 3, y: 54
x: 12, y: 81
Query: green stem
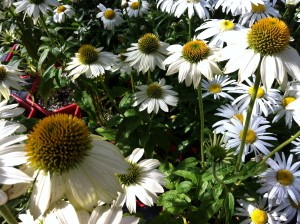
x: 201, y: 111
x: 190, y: 29
x: 43, y: 24
x: 247, y: 121
x: 111, y: 99
x: 149, y: 81
x: 278, y: 148
x: 132, y: 81
x: 7, y: 215
x: 217, y: 178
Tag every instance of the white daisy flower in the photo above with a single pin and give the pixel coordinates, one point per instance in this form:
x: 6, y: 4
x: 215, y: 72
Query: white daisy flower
x: 255, y: 137
x: 198, y: 6
x: 110, y: 17
x: 265, y: 102
x: 91, y: 61
x: 191, y: 61
x: 147, y: 53
x: 9, y: 111
x: 289, y: 106
x: 228, y: 112
x: 256, y: 213
x: 137, y: 8
x: 266, y: 44
x: 296, y: 150
x: 289, y: 210
x: 281, y: 180
x: 165, y: 5
x: 218, y: 87
x: 66, y: 160
x: 143, y: 181
x: 33, y: 7
x: 12, y: 154
x: 291, y: 2
x: 61, y: 12
x: 215, y: 28
x: 155, y: 96
x: 258, y: 12
x: 9, y: 78
x: 7, y: 3
x: 237, y: 7
x: 122, y: 65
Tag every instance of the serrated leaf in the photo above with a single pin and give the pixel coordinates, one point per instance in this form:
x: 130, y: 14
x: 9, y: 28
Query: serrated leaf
x: 184, y: 187
x: 187, y: 175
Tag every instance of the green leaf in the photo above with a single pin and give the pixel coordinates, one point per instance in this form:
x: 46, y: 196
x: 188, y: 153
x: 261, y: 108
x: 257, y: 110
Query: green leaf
x: 85, y: 101
x: 187, y: 175
x: 229, y: 206
x: 107, y: 133
x: 187, y: 163
x: 42, y: 59
x: 174, y: 202
x: 184, y: 187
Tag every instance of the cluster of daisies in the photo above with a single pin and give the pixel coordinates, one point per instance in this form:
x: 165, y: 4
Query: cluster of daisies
x: 255, y: 50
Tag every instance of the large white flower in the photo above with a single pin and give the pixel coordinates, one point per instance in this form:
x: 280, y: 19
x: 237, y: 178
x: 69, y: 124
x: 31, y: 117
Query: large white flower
x: 147, y: 53
x: 137, y: 8
x: 143, y: 181
x: 265, y: 44
x: 155, y: 96
x: 265, y: 102
x: 191, y: 61
x: 255, y: 136
x: 258, y: 12
x: 12, y: 154
x: 214, y: 29
x: 110, y: 17
x: 256, y: 213
x: 61, y: 12
x: 200, y: 6
x: 282, y: 179
x: 70, y: 162
x: 34, y: 7
x: 9, y: 78
x: 237, y: 7
x: 91, y: 61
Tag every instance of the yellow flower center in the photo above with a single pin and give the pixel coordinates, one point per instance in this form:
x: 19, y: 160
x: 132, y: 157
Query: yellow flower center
x: 109, y: 14
x: 260, y: 92
x: 154, y: 91
x: 61, y: 9
x: 87, y: 54
x: 287, y: 100
x: 215, y: 88
x: 285, y: 177
x: 250, y: 137
x: 3, y: 73
x: 240, y: 117
x: 195, y: 50
x: 132, y: 176
x: 135, y: 5
x: 148, y: 43
x: 259, y: 216
x: 259, y: 8
x: 227, y: 25
x: 269, y: 36
x: 58, y: 143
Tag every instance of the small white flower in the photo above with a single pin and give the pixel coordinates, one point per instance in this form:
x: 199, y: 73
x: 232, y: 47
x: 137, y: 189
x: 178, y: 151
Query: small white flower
x: 143, y: 181
x: 137, y: 8
x: 191, y: 61
x: 147, y: 53
x: 256, y: 212
x: 255, y: 136
x: 110, y: 17
x: 91, y: 61
x: 214, y: 29
x: 282, y: 179
x: 198, y: 6
x: 33, y: 7
x: 155, y: 96
x: 289, y: 106
x: 218, y: 87
x: 228, y: 112
x: 61, y: 12
x: 265, y: 102
x: 9, y: 78
x: 258, y: 12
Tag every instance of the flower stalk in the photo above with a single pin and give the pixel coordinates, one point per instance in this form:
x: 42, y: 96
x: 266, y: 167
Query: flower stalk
x: 201, y: 112
x: 7, y: 215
